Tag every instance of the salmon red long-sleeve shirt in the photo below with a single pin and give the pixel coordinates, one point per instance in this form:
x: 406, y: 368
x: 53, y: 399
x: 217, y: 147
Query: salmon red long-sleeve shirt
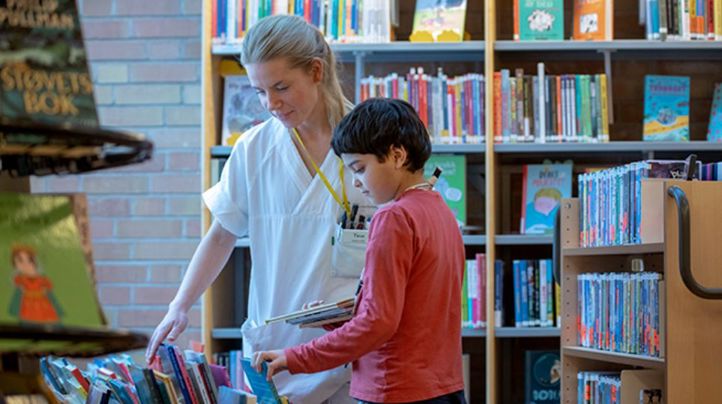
x: 405, y: 339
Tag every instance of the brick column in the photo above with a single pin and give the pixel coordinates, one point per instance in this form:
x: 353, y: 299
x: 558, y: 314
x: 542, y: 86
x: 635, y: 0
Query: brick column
x: 145, y: 219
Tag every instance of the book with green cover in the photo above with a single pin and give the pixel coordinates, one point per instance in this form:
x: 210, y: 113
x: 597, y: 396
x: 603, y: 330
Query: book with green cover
x: 540, y: 20
x: 44, y: 276
x: 452, y: 183
x: 44, y: 73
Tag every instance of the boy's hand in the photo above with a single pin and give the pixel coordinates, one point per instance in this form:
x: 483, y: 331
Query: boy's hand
x: 275, y: 361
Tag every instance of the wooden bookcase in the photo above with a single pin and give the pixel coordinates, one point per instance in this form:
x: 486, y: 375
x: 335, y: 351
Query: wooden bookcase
x: 691, y: 326
x: 497, y: 373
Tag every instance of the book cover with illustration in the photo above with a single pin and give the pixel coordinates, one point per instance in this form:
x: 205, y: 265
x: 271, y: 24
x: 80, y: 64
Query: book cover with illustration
x: 543, y: 371
x: 44, y: 275
x: 43, y: 65
x: 666, y: 108
x: 538, y: 20
x: 544, y: 186
x: 714, y: 131
x: 242, y: 109
x: 452, y: 183
x: 593, y: 20
x: 437, y: 16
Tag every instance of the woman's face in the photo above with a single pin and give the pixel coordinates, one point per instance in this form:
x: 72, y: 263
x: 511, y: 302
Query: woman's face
x: 290, y: 94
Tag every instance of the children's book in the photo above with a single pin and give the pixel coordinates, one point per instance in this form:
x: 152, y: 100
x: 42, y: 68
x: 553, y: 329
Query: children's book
x: 544, y: 186
x: 714, y: 133
x: 242, y: 109
x: 543, y: 370
x: 538, y: 20
x: 666, y: 108
x: 593, y: 20
x: 44, y: 65
x: 452, y: 183
x: 437, y: 16
x: 264, y: 389
x: 47, y: 280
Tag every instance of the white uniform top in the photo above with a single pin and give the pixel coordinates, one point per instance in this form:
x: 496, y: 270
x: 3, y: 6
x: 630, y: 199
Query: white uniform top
x: 266, y: 192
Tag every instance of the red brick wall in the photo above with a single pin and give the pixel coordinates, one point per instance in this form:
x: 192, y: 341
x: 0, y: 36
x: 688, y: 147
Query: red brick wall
x: 145, y: 220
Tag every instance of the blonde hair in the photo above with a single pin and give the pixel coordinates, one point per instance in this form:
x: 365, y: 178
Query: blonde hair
x: 291, y: 37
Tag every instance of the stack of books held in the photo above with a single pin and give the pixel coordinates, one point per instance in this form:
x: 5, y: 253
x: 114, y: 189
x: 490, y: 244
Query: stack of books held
x: 320, y: 315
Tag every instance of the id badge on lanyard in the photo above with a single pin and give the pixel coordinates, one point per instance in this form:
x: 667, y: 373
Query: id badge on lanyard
x: 348, y: 245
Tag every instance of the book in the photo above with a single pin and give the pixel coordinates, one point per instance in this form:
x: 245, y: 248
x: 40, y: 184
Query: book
x: 593, y: 20
x: 242, y: 109
x: 544, y: 186
x: 538, y: 20
x: 44, y: 65
x: 49, y: 279
x: 336, y: 311
x: 543, y: 371
x: 436, y: 17
x: 714, y: 131
x: 452, y: 183
x: 264, y: 389
x: 666, y: 108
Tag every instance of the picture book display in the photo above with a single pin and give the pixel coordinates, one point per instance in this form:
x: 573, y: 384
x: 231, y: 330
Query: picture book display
x: 544, y: 186
x: 242, y: 109
x: 43, y: 64
x: 44, y: 276
x: 538, y: 20
x: 666, y: 108
x: 437, y: 17
x: 452, y: 183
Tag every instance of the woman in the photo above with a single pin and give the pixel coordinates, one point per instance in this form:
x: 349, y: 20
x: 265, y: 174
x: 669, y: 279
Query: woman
x: 270, y: 190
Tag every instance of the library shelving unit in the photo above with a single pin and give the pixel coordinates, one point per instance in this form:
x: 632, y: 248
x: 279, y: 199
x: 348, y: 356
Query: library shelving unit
x: 683, y: 247
x: 489, y: 22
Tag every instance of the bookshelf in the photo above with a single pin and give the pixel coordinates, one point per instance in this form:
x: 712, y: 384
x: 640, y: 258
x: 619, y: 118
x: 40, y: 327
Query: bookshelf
x: 626, y: 60
x: 691, y: 335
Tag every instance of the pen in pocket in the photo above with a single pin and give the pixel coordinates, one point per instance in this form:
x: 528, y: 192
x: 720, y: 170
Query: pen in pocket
x: 354, y: 210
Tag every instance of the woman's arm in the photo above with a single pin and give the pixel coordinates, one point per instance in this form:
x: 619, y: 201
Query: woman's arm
x: 207, y: 262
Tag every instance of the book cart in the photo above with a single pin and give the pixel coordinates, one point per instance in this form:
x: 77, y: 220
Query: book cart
x: 679, y: 242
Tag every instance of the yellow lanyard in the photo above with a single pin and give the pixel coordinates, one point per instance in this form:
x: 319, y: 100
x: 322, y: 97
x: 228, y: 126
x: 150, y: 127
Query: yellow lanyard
x: 343, y: 202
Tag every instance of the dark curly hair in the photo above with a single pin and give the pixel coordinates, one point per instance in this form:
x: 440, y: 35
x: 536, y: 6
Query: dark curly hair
x: 376, y: 125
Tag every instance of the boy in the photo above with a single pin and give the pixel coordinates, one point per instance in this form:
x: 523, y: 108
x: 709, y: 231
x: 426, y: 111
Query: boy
x: 405, y: 339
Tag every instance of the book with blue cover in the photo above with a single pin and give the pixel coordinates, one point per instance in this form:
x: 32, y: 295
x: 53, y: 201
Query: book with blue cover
x: 544, y: 187
x: 264, y: 390
x: 666, y: 108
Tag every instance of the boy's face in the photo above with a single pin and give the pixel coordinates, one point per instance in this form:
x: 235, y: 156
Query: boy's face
x: 378, y: 181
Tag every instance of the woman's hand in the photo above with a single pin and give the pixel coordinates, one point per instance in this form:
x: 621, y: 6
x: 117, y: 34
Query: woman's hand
x: 172, y: 325
x: 275, y: 361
